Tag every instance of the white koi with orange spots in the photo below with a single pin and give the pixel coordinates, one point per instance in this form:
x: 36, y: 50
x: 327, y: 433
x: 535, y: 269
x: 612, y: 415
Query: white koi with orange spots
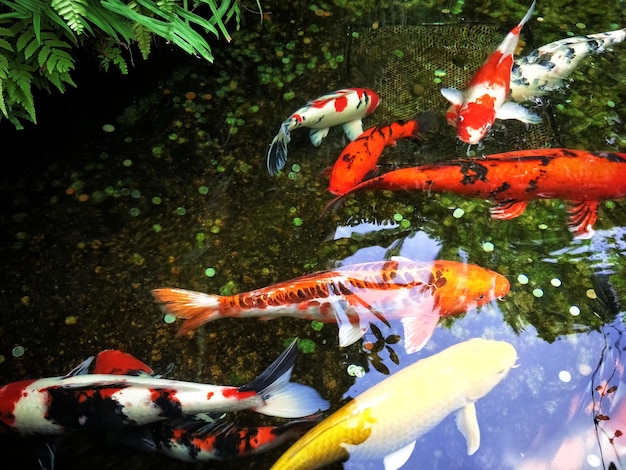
x: 346, y: 106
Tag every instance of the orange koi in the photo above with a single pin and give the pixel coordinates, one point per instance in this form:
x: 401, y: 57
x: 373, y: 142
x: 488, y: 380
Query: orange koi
x: 474, y: 111
x: 512, y: 179
x: 359, y: 157
x: 418, y: 293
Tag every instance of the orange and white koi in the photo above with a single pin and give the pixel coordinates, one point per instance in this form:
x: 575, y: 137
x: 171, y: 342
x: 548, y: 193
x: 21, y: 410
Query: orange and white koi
x: 346, y: 106
x: 359, y: 157
x: 419, y: 293
x: 512, y: 179
x: 546, y: 68
x: 474, y: 111
x: 385, y: 421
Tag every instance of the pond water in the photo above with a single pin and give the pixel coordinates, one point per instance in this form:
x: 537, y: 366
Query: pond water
x: 178, y: 196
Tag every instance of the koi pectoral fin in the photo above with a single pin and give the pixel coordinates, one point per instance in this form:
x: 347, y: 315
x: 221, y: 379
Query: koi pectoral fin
x: 418, y: 328
x: 582, y: 216
x: 508, y: 210
x: 348, y: 321
x: 399, y: 457
x: 510, y: 110
x: 317, y: 135
x: 467, y: 423
x: 353, y: 129
x: 453, y: 95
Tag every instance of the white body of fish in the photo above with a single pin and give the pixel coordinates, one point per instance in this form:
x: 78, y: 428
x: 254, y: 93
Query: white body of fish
x: 546, y: 68
x: 342, y: 107
x: 386, y: 420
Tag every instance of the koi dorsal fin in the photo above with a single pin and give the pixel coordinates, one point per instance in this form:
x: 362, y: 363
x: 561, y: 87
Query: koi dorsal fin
x: 116, y: 362
x: 81, y: 368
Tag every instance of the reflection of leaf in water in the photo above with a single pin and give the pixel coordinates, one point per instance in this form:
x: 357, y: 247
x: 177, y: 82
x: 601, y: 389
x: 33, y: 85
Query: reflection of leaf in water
x: 373, y: 348
x: 393, y: 356
x: 379, y: 366
x: 377, y: 332
x: 392, y: 339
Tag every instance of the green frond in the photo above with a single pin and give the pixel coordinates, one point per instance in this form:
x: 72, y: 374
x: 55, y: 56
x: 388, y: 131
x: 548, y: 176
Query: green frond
x: 113, y: 54
x: 4, y: 74
x: 18, y: 85
x: 166, y: 5
x: 143, y: 36
x: 60, y: 79
x: 73, y: 12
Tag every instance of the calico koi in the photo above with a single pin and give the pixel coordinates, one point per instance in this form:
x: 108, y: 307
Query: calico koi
x: 474, y: 111
x: 418, y: 293
x: 512, y: 179
x: 359, y: 157
x: 108, y: 402
x: 346, y: 106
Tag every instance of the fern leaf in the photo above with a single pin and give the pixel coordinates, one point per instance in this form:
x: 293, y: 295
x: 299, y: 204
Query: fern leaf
x: 60, y: 79
x: 73, y: 12
x: 143, y: 36
x: 20, y: 75
x: 26, y: 37
x: 31, y: 48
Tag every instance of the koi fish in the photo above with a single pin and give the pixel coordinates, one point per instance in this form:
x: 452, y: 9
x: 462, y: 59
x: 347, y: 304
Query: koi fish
x: 512, y: 179
x: 419, y: 293
x: 199, y: 441
x: 359, y: 157
x: 546, y: 68
x: 347, y: 107
x: 474, y: 111
x: 387, y: 419
x: 198, y: 438
x: 109, y: 402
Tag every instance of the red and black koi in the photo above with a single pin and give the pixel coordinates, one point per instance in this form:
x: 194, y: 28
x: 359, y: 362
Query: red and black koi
x: 512, y: 179
x: 359, y: 157
x: 199, y: 441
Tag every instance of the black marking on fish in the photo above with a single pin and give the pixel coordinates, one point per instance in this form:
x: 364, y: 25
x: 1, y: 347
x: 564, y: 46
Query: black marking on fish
x: 502, y: 188
x: 612, y: 157
x: 532, y: 186
x: 86, y: 408
x: 473, y: 172
x: 167, y: 401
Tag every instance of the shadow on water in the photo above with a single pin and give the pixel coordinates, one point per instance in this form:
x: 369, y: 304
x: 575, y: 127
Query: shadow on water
x: 178, y: 196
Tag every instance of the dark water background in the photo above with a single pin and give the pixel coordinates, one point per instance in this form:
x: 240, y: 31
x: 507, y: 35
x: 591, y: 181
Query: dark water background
x: 77, y: 274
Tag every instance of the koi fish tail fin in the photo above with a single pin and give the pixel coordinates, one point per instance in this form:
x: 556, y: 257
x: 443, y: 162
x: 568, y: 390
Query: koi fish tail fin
x: 277, y: 153
x: 426, y: 122
x: 527, y: 16
x: 195, y: 308
x: 283, y: 398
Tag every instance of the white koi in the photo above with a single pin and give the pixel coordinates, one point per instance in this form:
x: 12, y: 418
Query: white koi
x: 386, y: 420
